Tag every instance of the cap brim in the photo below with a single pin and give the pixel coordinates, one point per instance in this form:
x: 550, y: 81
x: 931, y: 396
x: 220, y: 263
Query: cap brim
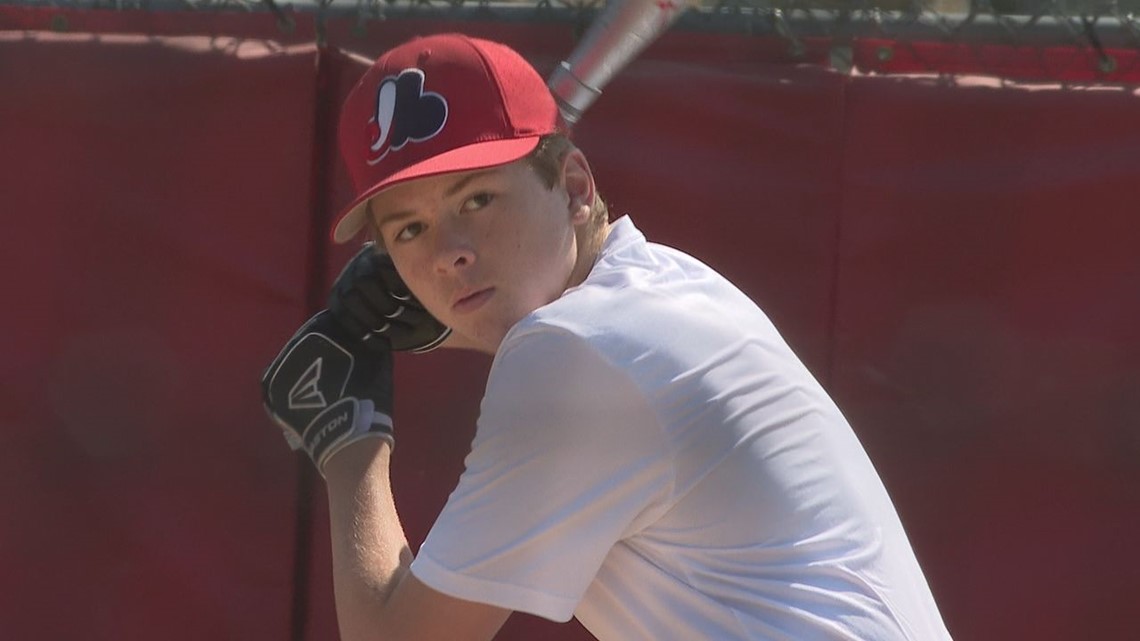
x: 480, y: 155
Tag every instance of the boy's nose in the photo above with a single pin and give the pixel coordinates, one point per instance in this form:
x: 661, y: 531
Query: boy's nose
x: 454, y: 251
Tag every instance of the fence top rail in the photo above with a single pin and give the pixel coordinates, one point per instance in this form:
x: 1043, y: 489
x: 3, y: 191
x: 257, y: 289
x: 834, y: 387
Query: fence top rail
x: 1102, y: 23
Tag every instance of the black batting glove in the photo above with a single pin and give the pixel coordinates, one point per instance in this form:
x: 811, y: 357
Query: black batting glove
x: 327, y: 390
x: 372, y: 302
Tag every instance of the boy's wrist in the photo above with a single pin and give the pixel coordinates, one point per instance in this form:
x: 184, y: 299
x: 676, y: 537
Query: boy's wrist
x: 353, y: 461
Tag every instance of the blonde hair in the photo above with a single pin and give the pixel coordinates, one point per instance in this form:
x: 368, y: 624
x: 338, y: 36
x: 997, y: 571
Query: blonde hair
x: 546, y: 160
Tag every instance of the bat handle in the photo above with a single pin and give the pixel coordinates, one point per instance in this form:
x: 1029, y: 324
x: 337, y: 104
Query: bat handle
x: 572, y: 94
x: 617, y: 36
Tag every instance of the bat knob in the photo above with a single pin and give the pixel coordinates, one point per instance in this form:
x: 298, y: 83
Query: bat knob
x: 615, y: 37
x: 572, y: 94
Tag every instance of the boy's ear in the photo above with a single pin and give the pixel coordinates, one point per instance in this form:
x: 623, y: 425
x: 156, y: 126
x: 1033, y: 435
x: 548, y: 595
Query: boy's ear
x: 578, y: 181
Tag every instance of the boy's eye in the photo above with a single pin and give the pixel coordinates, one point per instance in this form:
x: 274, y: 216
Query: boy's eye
x: 478, y: 201
x: 409, y: 232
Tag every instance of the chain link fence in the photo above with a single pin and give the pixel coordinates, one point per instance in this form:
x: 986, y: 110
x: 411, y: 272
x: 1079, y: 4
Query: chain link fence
x: 1089, y: 28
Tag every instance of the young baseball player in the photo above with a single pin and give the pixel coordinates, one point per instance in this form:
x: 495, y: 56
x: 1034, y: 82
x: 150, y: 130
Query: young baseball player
x: 650, y: 456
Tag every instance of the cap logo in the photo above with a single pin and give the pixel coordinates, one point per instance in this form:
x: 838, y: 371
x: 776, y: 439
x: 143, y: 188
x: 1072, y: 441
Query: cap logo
x: 404, y: 113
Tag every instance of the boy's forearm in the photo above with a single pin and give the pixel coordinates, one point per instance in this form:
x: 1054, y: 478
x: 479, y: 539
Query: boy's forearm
x: 370, y: 553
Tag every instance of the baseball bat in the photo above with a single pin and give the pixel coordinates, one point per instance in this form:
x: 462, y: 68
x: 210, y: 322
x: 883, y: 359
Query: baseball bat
x: 621, y: 32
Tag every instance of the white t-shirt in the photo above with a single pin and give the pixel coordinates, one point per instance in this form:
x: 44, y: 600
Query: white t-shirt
x: 652, y: 458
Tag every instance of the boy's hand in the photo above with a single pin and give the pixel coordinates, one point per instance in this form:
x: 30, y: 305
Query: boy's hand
x: 372, y: 302
x: 327, y: 390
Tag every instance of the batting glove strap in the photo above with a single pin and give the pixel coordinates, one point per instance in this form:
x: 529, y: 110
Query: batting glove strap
x: 345, y: 422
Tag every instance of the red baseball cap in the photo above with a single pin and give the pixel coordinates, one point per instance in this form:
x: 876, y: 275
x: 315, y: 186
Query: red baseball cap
x: 436, y: 105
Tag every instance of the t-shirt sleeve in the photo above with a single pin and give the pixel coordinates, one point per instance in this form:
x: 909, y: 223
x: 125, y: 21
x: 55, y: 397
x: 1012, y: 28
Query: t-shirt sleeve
x: 567, y: 460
